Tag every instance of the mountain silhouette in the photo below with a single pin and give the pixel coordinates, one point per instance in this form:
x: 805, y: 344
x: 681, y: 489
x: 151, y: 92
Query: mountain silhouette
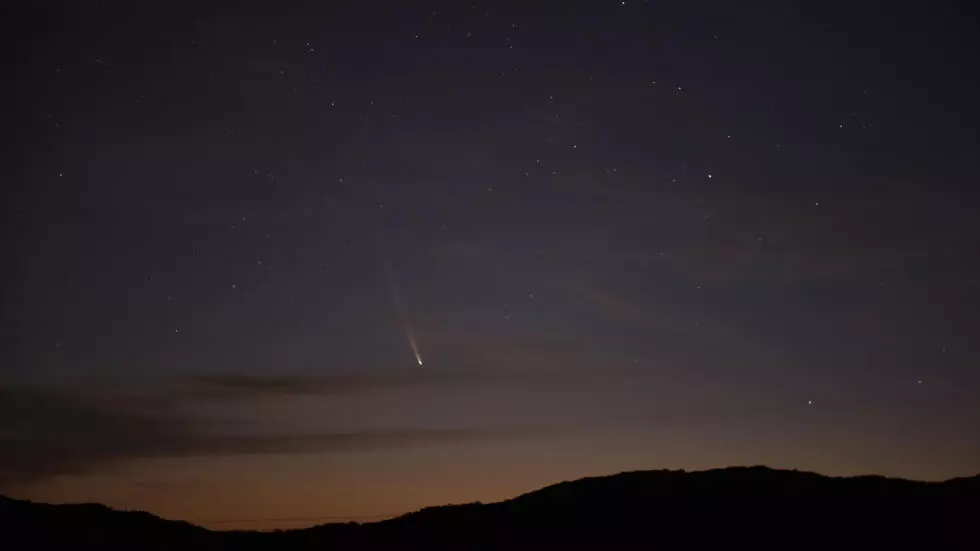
x: 735, y: 508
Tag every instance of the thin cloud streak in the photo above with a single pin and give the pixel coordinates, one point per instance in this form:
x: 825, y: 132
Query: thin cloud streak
x: 50, y: 433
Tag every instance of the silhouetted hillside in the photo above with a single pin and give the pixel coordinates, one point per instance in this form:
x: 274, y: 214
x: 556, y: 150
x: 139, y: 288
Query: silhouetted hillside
x: 735, y: 508
x: 28, y: 525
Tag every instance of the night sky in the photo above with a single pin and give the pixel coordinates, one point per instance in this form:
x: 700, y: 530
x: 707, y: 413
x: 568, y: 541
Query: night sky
x: 617, y: 235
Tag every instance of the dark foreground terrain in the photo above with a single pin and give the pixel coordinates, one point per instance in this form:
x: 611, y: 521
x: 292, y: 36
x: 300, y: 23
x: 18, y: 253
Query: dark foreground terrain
x: 736, y: 508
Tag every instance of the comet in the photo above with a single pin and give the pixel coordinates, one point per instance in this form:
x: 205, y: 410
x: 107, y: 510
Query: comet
x: 402, y: 308
x: 415, y: 348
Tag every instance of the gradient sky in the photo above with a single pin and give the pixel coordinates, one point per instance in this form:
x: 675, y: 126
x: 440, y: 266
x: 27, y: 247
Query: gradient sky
x: 624, y: 235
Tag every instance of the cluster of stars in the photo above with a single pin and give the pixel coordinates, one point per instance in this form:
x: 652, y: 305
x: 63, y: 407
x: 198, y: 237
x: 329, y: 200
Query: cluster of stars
x: 561, y: 153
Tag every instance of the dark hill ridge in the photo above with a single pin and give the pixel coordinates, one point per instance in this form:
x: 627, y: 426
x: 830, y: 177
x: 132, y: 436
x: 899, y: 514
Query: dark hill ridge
x: 29, y: 525
x: 734, y: 508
